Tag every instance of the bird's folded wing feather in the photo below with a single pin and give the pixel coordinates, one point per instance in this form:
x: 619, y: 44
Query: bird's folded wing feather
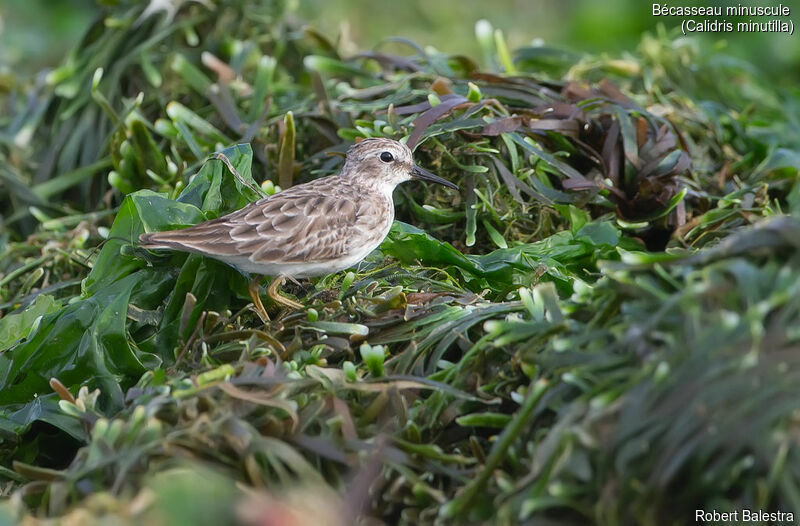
x: 297, y: 225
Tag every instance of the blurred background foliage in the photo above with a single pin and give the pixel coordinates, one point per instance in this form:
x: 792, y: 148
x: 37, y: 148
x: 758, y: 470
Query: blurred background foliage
x: 36, y: 33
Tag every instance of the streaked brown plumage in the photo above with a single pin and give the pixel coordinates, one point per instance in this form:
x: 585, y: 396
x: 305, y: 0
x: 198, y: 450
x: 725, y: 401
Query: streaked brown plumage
x: 312, y: 229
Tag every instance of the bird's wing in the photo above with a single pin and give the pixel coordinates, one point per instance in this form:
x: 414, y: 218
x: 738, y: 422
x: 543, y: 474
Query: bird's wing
x: 305, y: 223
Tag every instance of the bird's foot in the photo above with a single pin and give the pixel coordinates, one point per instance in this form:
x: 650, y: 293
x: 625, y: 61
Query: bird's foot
x: 259, y: 307
x: 275, y: 295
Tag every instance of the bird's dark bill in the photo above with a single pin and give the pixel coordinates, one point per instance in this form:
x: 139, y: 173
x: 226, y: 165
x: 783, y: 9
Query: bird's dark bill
x: 425, y: 175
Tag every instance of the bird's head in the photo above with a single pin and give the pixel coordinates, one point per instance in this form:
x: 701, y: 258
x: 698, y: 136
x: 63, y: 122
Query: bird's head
x: 386, y: 163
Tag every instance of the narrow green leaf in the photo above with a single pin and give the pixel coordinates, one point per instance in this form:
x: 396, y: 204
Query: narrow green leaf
x: 286, y: 153
x: 190, y: 74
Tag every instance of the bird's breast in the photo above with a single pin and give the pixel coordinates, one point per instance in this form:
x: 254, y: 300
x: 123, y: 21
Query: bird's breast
x: 375, y: 218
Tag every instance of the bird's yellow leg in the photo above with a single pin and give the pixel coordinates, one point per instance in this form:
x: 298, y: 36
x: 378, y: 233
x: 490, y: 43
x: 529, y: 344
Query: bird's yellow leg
x: 253, y: 290
x: 275, y: 295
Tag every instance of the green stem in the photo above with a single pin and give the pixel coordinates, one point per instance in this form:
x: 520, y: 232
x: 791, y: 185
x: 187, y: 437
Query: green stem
x: 461, y: 505
x: 24, y: 268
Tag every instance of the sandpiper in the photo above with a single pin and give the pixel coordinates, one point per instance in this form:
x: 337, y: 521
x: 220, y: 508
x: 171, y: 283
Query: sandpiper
x: 312, y: 229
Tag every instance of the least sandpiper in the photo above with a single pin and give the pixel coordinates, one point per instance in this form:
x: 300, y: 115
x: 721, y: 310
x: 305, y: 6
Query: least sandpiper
x: 312, y: 229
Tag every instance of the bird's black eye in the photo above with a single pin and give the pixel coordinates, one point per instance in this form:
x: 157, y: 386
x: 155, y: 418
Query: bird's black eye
x: 387, y: 157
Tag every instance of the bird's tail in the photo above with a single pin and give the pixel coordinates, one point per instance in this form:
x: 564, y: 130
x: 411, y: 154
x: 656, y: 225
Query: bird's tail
x: 155, y: 240
x: 148, y: 241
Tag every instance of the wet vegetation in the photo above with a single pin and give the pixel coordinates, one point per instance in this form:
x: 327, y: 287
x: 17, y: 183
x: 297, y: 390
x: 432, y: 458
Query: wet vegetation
x: 599, y: 327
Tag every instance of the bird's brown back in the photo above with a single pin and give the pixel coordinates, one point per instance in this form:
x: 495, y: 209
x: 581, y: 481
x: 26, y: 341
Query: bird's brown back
x: 318, y: 221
